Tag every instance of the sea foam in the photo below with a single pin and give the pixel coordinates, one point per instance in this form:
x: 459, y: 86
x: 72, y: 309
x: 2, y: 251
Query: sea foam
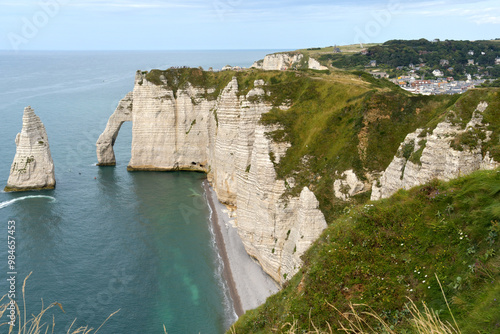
x: 12, y: 201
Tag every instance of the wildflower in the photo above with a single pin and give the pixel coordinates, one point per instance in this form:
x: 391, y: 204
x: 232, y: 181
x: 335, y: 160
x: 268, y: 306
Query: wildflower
x: 429, y: 287
x: 423, y: 281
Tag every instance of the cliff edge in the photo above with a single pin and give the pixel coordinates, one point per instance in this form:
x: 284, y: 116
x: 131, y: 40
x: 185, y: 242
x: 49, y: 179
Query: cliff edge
x: 32, y: 168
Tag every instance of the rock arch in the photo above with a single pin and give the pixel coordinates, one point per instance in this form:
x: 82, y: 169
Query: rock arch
x: 123, y: 113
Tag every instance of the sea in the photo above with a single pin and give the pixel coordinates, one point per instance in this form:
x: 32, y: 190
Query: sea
x: 105, y: 240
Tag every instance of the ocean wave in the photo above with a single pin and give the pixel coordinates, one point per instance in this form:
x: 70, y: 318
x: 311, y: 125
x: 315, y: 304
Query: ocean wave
x: 12, y: 201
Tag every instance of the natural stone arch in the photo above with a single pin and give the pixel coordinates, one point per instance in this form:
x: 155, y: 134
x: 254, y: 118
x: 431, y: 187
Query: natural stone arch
x: 123, y: 113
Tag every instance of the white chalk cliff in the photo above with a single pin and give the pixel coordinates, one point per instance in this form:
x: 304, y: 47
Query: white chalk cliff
x: 278, y: 61
x: 286, y: 61
x: 313, y: 64
x: 185, y: 130
x: 438, y: 158
x: 32, y: 168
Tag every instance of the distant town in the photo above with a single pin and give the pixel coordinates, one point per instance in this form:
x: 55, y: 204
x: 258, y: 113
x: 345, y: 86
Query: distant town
x: 425, y: 67
x: 441, y: 85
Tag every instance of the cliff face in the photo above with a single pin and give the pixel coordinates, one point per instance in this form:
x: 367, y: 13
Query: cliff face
x: 32, y: 168
x: 439, y: 157
x: 286, y: 61
x: 183, y: 129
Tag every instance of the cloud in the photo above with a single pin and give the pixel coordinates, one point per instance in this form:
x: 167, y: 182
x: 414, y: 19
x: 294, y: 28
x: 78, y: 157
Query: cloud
x: 134, y: 4
x: 111, y: 3
x: 479, y: 11
x: 486, y: 19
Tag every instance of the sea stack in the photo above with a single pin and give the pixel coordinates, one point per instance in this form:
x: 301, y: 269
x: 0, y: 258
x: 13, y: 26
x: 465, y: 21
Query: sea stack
x: 33, y: 168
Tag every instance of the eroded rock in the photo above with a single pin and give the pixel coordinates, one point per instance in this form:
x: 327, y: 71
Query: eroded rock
x: 32, y: 168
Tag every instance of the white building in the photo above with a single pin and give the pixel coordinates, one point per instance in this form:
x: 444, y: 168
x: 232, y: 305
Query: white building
x: 437, y: 73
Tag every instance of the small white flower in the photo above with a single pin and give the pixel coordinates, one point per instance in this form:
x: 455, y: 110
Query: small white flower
x: 402, y: 244
x: 411, y: 290
x: 429, y: 287
x: 423, y: 281
x: 425, y: 275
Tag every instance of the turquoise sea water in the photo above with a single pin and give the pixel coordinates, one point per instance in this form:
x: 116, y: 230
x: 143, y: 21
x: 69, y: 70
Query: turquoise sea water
x: 106, y: 239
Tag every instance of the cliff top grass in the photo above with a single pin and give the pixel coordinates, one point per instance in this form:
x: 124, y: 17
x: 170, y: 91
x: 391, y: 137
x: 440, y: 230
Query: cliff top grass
x: 380, y: 253
x: 351, y: 48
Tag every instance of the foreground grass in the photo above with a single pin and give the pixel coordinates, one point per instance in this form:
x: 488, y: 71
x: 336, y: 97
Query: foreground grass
x: 382, y: 253
x: 37, y: 323
x: 357, y: 320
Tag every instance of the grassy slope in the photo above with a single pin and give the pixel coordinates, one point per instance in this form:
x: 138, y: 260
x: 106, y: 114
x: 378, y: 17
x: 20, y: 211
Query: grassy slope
x: 379, y: 253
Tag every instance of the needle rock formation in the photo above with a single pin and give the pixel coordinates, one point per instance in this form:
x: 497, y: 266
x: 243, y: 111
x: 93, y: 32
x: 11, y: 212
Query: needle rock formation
x: 32, y: 168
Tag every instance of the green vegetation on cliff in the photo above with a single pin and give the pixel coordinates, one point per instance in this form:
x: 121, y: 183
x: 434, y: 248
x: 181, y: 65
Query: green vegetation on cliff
x: 382, y: 252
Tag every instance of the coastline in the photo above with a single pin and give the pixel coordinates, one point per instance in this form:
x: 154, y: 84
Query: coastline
x: 249, y: 285
x: 219, y: 240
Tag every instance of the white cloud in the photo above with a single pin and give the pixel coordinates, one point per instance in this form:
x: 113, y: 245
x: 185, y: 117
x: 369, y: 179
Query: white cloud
x: 486, y: 19
x: 111, y: 3
x: 479, y: 12
x: 133, y: 4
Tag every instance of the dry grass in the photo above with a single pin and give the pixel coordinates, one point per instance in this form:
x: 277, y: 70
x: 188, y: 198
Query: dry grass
x: 37, y: 324
x: 362, y: 319
x: 425, y: 321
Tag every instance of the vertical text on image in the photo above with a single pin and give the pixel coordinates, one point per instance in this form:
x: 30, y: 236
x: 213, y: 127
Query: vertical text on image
x: 11, y: 271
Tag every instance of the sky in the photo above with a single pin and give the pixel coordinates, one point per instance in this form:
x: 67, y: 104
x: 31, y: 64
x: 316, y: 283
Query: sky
x: 237, y: 24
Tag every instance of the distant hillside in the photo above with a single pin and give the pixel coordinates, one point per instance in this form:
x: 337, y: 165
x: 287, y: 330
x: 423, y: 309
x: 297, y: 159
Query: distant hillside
x: 454, y: 58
